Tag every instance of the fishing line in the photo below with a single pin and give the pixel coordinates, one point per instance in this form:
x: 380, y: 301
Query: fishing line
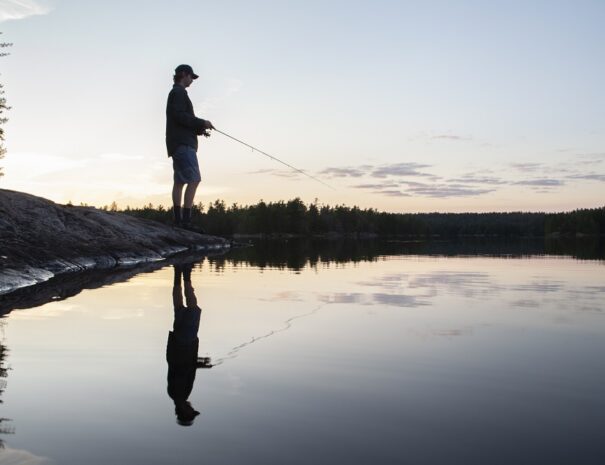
x: 254, y: 149
x: 288, y: 324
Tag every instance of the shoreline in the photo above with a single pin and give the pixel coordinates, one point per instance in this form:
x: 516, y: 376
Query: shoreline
x: 40, y: 240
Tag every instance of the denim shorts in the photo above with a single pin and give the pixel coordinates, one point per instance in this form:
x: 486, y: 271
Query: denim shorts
x: 185, y: 165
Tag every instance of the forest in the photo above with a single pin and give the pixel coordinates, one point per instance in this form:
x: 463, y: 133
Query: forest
x: 294, y: 217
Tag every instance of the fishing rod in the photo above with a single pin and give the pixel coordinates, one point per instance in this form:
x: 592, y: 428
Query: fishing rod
x: 273, y: 158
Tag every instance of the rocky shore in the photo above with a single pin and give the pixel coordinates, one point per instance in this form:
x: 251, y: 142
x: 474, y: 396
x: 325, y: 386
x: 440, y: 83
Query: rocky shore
x: 40, y: 240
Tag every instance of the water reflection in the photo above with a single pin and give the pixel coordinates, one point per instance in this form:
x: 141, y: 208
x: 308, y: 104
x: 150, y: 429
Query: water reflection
x: 183, y: 344
x: 398, y: 359
x: 296, y: 254
x: 5, y: 427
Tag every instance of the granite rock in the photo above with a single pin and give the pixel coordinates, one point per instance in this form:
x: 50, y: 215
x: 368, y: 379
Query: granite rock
x: 40, y: 239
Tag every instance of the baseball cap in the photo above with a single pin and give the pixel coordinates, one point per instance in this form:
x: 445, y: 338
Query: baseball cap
x: 185, y: 69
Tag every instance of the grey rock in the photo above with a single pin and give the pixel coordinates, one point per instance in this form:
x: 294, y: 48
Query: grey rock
x: 40, y: 239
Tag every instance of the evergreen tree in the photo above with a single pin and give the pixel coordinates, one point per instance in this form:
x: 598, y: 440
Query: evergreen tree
x: 3, y: 106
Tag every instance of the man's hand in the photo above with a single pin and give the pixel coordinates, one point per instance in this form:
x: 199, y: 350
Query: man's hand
x: 209, y: 125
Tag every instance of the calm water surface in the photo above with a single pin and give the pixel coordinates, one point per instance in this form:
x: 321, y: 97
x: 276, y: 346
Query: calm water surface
x: 386, y: 359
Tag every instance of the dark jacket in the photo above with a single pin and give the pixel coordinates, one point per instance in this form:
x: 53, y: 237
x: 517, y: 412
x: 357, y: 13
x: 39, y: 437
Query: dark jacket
x: 182, y: 126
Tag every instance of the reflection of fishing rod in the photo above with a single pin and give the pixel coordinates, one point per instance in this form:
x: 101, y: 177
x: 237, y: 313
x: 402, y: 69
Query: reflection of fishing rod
x: 273, y: 158
x: 234, y: 351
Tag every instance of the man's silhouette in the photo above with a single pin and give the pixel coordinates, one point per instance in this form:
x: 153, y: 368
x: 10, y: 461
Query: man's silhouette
x: 182, y: 347
x: 182, y: 129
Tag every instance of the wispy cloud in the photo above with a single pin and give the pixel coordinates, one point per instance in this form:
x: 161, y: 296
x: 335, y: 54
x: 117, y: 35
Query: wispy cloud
x: 228, y: 88
x: 474, y: 179
x: 346, y: 172
x: 380, y: 171
x: 392, y: 193
x: 452, y: 137
x: 291, y: 174
x: 591, y: 158
x: 19, y: 9
x: 544, y: 182
x: 407, y: 179
x: 400, y: 169
x: 588, y: 177
x: 387, y: 185
x: 527, y: 166
x: 444, y: 191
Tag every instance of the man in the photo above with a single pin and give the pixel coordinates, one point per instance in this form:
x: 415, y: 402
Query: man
x: 182, y: 129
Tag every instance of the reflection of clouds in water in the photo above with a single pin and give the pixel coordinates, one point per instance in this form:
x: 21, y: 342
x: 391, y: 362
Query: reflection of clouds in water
x: 388, y: 281
x: 284, y: 296
x: 409, y: 290
x: 465, y: 283
x: 539, y: 286
x: 525, y: 303
x: 597, y: 289
x: 48, y: 311
x: 398, y: 300
x: 342, y: 298
x: 21, y: 457
x: 395, y: 300
x: 456, y: 332
x: 538, y: 292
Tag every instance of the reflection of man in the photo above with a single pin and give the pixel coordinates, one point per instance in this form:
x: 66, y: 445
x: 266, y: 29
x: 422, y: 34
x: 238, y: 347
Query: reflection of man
x: 181, y: 351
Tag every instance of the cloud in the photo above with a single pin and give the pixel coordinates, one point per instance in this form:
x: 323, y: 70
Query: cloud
x: 400, y: 169
x: 527, y: 166
x: 452, y: 137
x: 381, y: 171
x: 473, y: 179
x: 376, y: 186
x: 233, y: 86
x: 392, y: 193
x: 444, y: 191
x: 588, y: 177
x: 594, y: 157
x: 119, y: 157
x: 346, y: 172
x: 541, y: 182
x: 407, y: 179
x: 290, y: 174
x: 228, y: 88
x: 20, y: 9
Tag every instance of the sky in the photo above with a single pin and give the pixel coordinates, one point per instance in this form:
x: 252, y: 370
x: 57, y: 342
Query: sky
x: 403, y: 106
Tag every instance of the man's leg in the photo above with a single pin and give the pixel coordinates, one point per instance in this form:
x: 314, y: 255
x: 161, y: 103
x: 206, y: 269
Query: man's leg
x: 190, y: 194
x: 177, y: 194
x: 188, y: 203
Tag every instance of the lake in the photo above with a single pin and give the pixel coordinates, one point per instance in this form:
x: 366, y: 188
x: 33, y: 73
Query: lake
x: 323, y: 353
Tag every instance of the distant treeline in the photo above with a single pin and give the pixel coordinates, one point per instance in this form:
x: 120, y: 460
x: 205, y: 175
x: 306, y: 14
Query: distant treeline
x: 297, y: 218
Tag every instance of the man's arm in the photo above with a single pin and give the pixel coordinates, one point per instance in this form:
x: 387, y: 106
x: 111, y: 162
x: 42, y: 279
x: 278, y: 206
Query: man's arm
x: 177, y: 109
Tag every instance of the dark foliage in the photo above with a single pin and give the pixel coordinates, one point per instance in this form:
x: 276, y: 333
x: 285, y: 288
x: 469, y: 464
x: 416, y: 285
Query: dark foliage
x: 3, y: 106
x: 294, y: 217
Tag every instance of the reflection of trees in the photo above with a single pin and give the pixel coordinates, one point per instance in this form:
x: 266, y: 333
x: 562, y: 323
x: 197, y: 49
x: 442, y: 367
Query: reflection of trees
x: 4, y: 428
x: 296, y: 254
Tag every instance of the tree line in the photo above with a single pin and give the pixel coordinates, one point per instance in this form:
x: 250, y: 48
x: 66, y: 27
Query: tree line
x: 294, y: 217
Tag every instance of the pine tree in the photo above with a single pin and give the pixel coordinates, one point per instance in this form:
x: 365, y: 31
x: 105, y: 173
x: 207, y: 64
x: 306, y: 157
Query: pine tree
x: 3, y: 106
